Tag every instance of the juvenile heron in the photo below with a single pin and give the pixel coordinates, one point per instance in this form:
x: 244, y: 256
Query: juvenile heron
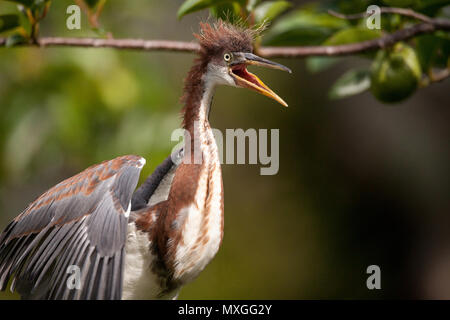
x: 146, y: 244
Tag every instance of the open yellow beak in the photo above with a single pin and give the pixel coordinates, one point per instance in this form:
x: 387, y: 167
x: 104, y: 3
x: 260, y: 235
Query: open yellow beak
x: 245, y: 79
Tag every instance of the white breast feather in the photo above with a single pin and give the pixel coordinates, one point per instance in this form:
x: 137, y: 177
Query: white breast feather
x: 138, y: 281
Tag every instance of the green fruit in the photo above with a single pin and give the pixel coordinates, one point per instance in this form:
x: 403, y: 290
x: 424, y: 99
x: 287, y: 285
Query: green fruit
x: 395, y: 74
x: 399, y: 3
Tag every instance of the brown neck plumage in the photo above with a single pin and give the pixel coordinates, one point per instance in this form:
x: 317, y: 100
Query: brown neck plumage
x: 194, y: 89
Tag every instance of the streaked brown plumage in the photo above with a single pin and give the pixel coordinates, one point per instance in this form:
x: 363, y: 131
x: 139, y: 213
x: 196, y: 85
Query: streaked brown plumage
x: 145, y: 244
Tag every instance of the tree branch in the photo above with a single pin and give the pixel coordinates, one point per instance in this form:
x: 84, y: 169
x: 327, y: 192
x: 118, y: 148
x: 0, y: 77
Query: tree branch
x: 137, y: 44
x: 354, y: 48
x: 270, y: 52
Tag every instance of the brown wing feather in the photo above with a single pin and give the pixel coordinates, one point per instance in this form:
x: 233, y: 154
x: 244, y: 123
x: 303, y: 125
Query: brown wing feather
x: 81, y: 221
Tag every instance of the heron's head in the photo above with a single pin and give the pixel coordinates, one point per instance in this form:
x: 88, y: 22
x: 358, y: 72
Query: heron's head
x: 227, y: 51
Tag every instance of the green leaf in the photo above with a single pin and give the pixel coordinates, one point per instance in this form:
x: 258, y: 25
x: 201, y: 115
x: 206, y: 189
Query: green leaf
x: 8, y: 22
x: 269, y: 10
x: 317, y: 64
x: 350, y: 83
x: 303, y: 27
x: 251, y: 4
x: 15, y: 39
x: 351, y: 35
x: 190, y: 6
x: 400, y: 3
x: 226, y: 11
x: 426, y: 47
x: 433, y: 50
x: 431, y: 7
x: 350, y: 6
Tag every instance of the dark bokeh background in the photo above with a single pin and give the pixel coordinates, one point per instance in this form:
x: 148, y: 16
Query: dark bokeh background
x: 360, y: 182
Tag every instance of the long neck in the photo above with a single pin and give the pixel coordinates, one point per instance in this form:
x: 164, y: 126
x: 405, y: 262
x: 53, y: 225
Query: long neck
x: 200, y: 204
x: 199, y: 91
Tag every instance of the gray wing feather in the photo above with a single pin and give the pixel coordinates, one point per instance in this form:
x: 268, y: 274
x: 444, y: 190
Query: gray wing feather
x: 81, y: 222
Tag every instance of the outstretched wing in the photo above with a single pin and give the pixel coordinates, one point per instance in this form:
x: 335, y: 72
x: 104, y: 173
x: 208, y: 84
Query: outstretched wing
x: 69, y: 243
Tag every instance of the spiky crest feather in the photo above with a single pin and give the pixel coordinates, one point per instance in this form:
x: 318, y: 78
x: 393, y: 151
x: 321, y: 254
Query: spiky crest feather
x: 214, y: 40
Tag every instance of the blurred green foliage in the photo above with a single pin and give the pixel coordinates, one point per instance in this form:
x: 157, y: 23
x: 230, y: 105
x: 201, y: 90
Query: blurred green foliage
x: 359, y: 183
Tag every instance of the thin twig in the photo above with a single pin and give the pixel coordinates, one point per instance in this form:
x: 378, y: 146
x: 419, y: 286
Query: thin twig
x: 353, y: 48
x: 136, y: 44
x: 269, y: 52
x: 401, y: 11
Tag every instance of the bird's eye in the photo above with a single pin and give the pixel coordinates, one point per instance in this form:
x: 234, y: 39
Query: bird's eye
x: 227, y: 57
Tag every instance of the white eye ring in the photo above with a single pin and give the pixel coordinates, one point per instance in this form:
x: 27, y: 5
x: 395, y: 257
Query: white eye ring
x: 227, y: 57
